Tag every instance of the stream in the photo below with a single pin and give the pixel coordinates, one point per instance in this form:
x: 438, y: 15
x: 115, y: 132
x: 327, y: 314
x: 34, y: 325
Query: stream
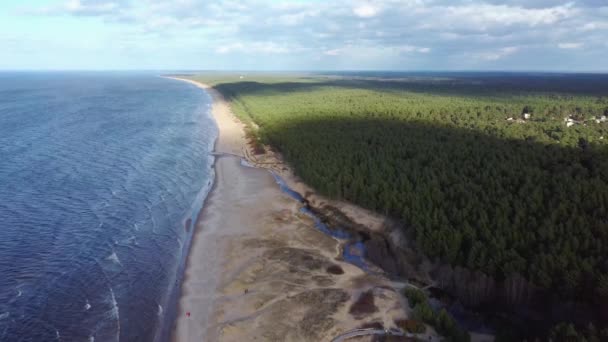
x: 353, y: 251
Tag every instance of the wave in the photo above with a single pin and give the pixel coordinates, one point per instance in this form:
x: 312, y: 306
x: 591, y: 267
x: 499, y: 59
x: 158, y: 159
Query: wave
x: 128, y: 241
x: 115, y: 313
x: 114, y: 258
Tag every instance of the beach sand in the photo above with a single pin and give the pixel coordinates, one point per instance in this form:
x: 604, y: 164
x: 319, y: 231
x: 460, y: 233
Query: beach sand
x: 258, y: 269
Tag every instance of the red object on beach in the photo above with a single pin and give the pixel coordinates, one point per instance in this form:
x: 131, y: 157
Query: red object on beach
x: 188, y: 313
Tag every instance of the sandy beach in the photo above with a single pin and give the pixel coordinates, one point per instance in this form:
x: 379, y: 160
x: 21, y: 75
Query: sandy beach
x: 258, y: 269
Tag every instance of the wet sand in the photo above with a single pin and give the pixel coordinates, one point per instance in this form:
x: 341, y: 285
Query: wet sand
x: 259, y: 270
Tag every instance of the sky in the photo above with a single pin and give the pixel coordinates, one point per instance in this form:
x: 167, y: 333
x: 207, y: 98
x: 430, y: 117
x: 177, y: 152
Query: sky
x: 510, y: 35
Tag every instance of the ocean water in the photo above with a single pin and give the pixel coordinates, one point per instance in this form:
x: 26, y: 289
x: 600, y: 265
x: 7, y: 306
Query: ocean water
x: 99, y: 176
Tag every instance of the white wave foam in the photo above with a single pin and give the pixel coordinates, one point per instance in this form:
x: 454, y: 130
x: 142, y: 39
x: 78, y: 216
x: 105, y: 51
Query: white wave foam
x: 87, y: 306
x: 91, y: 338
x: 160, y: 310
x: 5, y: 315
x: 127, y: 241
x: 114, y: 258
x: 115, y: 313
x: 114, y: 310
x: 19, y: 293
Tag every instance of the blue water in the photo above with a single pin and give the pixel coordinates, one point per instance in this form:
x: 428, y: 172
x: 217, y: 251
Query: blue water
x: 99, y: 173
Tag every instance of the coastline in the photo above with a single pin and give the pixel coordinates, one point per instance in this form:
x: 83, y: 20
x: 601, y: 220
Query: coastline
x: 258, y: 267
x: 230, y: 140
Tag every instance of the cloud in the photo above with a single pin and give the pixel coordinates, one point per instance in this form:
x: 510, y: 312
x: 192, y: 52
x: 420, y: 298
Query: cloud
x: 94, y: 7
x: 366, y: 10
x: 91, y: 7
x: 411, y: 48
x: 332, y: 52
x: 252, y: 48
x: 570, y: 45
x: 595, y: 26
x: 548, y: 3
x: 487, y: 17
x: 83, y: 8
x: 431, y: 33
x: 497, y: 54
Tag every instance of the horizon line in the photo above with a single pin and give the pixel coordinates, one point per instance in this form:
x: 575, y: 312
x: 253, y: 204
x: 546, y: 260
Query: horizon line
x: 318, y: 70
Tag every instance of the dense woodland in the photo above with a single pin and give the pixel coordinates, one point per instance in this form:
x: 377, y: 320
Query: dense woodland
x: 441, y: 320
x: 480, y: 184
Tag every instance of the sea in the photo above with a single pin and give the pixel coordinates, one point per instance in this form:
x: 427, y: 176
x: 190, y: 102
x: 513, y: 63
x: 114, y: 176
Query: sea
x: 102, y: 175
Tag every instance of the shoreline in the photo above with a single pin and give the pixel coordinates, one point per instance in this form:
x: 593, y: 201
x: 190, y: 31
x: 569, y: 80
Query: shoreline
x: 221, y: 146
x: 167, y: 325
x: 258, y: 267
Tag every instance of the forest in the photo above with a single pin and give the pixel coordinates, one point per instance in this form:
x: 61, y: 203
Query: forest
x: 506, y: 175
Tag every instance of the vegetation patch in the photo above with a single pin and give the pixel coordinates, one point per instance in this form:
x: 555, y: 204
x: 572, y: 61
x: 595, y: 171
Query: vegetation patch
x: 411, y: 326
x: 372, y: 325
x: 335, y: 269
x: 364, y: 305
x: 441, y: 320
x: 254, y: 141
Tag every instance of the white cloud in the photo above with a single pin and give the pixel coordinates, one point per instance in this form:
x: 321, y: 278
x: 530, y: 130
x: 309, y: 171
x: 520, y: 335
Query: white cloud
x: 92, y: 7
x: 398, y: 31
x: 333, y: 52
x: 252, y: 48
x: 412, y: 48
x: 593, y: 26
x: 366, y: 10
x: 483, y: 16
x: 497, y: 54
x: 570, y: 45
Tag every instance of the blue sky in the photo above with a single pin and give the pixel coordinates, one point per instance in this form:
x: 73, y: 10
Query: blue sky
x: 551, y: 35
